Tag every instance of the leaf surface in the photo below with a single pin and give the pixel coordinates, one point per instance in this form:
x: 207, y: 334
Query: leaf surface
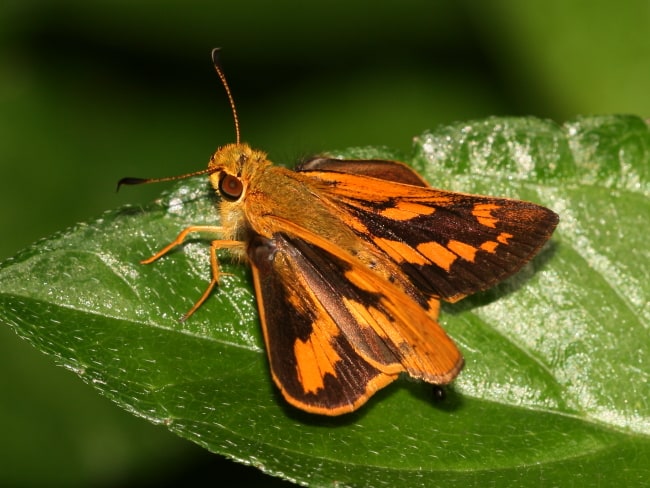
x: 558, y: 358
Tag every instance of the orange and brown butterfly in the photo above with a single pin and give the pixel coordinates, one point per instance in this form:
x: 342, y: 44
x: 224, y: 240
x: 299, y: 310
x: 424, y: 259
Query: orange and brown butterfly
x: 350, y: 259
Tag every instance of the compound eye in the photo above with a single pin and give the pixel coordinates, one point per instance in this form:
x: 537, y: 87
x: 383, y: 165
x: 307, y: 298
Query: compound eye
x: 230, y: 187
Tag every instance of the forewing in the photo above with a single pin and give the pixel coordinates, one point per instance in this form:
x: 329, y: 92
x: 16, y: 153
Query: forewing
x: 335, y: 333
x: 449, y: 244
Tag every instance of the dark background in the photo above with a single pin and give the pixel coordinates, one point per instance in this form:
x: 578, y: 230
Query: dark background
x: 93, y: 91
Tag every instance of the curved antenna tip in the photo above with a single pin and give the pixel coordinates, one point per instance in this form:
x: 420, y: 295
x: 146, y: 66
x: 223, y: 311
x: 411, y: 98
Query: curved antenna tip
x: 129, y: 181
x: 216, y: 52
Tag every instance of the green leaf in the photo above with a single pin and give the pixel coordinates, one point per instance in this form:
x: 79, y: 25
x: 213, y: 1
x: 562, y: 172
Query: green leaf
x: 558, y: 358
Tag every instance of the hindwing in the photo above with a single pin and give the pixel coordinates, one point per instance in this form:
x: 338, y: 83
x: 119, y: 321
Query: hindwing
x: 335, y: 332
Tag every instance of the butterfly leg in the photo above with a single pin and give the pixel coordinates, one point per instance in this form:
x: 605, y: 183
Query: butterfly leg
x: 180, y: 238
x: 214, y: 265
x: 214, y: 262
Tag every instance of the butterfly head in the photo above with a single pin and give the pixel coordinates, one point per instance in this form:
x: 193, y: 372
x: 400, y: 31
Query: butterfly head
x: 232, y: 167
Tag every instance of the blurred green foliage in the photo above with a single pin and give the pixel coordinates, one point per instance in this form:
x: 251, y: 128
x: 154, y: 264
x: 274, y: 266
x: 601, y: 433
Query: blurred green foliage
x: 93, y: 91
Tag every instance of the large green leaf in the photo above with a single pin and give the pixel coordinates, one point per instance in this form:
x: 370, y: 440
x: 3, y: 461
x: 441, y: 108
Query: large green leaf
x: 556, y: 384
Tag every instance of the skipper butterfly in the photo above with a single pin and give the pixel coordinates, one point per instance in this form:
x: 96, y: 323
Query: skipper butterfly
x: 350, y: 260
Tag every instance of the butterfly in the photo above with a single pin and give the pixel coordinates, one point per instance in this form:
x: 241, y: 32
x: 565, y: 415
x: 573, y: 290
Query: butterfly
x: 350, y: 259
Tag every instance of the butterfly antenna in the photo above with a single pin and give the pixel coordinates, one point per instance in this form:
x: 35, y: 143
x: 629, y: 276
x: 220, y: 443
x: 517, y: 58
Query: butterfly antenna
x: 140, y: 181
x: 217, y: 66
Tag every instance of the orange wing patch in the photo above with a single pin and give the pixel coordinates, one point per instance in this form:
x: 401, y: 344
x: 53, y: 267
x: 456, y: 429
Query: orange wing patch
x: 504, y: 237
x: 490, y: 246
x: 465, y: 251
x: 406, y: 210
x: 483, y: 213
x: 315, y: 356
x: 438, y: 254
